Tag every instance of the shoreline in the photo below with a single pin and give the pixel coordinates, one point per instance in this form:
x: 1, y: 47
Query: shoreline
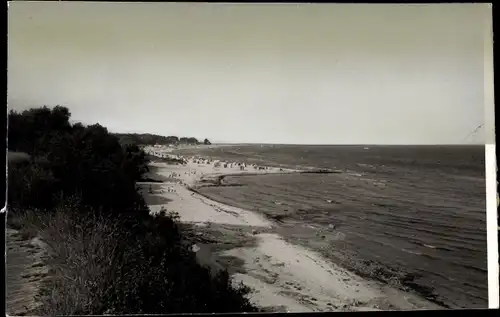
x: 280, y: 273
x: 219, y: 178
x: 406, y: 284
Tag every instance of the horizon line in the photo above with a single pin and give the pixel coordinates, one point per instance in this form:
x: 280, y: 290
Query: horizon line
x: 307, y: 144
x: 352, y: 144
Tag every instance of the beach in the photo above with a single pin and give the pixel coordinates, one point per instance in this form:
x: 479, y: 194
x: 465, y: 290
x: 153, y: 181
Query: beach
x: 409, y: 216
x: 283, y: 276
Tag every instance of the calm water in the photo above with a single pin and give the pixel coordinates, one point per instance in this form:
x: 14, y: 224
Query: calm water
x: 410, y: 215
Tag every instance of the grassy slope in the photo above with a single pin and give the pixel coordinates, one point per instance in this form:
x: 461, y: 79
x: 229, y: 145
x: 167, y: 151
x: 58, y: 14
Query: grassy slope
x: 116, y: 261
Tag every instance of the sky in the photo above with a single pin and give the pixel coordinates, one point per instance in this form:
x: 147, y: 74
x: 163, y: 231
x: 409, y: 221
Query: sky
x: 258, y: 73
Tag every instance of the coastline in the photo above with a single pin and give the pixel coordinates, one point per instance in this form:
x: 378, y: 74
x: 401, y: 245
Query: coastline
x: 283, y: 276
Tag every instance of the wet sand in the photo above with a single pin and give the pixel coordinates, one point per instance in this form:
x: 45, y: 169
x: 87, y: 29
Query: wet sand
x: 283, y: 276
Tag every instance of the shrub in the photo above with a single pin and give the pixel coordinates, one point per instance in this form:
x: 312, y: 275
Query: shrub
x: 97, y: 267
x: 106, y: 252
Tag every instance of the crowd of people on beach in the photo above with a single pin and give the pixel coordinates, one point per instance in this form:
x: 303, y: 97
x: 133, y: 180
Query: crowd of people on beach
x: 165, y: 152
x: 223, y: 164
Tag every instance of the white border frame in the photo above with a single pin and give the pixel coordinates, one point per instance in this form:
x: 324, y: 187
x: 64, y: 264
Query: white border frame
x: 492, y: 224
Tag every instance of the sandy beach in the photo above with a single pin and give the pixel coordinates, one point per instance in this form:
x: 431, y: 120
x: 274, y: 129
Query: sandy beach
x: 282, y: 276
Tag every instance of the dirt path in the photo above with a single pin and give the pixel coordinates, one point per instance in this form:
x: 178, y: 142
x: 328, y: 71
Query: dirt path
x: 25, y: 272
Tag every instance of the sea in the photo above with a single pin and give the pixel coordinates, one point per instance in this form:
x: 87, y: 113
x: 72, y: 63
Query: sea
x: 410, y: 216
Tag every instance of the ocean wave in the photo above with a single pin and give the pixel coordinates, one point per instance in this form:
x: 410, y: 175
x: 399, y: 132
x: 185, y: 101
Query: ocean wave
x: 425, y: 229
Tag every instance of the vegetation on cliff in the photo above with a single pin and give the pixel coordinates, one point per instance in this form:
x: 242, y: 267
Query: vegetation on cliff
x: 75, y: 187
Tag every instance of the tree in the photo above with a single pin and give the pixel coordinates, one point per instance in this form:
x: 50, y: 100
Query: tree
x: 72, y: 159
x: 81, y: 171
x: 172, y: 140
x: 206, y: 142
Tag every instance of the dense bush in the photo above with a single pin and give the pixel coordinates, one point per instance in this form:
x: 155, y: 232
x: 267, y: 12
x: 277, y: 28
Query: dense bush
x: 109, y: 253
x: 73, y: 159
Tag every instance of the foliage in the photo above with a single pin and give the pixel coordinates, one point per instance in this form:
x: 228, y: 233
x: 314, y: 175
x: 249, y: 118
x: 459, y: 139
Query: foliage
x: 152, y: 139
x: 188, y: 141
x: 71, y: 159
x: 111, y: 255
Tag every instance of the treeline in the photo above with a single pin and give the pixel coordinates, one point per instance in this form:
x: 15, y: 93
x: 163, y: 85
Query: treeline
x: 76, y: 189
x: 152, y: 139
x: 71, y: 160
